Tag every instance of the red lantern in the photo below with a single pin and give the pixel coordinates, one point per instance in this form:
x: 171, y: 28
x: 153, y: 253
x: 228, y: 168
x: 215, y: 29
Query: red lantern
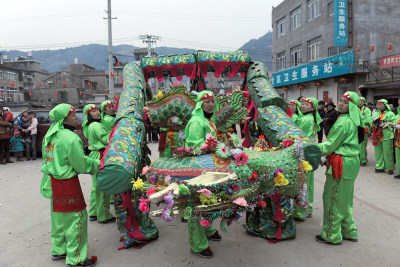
x: 64, y: 84
x: 30, y: 93
x: 2, y: 94
x: 106, y: 91
x: 56, y: 93
x: 390, y: 46
x: 372, y: 48
x: 12, y: 84
x: 80, y: 92
x: 357, y: 49
x: 231, y: 86
x: 112, y: 74
x: 211, y: 85
x: 39, y: 84
x: 88, y: 83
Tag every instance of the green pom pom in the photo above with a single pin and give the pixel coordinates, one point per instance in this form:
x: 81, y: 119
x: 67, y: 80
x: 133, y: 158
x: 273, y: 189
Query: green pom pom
x: 223, y: 225
x: 184, y: 190
x: 187, y: 213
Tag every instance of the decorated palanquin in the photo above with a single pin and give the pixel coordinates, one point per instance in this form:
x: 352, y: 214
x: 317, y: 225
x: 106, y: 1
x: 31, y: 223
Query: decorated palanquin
x: 220, y: 179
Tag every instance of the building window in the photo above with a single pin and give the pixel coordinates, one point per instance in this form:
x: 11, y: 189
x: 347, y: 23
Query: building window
x: 11, y: 91
x: 295, y: 19
x: 281, y: 61
x: 281, y: 28
x: 1, y: 74
x: 334, y: 50
x: 331, y: 9
x: 12, y: 76
x: 63, y: 95
x: 295, y: 56
x: 314, y: 9
x: 314, y: 49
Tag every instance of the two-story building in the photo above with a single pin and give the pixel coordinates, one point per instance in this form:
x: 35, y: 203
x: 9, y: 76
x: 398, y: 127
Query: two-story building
x: 322, y: 48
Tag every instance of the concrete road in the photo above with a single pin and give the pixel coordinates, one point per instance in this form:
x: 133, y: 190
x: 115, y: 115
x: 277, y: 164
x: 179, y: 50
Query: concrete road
x: 25, y: 230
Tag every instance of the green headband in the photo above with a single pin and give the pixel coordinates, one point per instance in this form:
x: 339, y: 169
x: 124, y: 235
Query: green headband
x: 57, y: 114
x: 86, y: 110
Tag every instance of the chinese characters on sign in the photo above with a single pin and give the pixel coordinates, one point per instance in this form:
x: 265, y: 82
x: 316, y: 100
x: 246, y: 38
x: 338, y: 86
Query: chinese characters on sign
x: 392, y: 61
x: 340, y: 22
x: 325, y: 68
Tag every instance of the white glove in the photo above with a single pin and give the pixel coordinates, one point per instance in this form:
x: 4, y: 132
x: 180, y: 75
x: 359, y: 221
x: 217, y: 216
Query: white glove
x: 374, y: 118
x: 181, y: 135
x: 382, y: 124
x: 324, y: 161
x: 397, y: 126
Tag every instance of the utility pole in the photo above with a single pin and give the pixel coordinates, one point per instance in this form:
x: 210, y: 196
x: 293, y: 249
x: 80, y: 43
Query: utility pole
x: 149, y: 40
x: 110, y: 55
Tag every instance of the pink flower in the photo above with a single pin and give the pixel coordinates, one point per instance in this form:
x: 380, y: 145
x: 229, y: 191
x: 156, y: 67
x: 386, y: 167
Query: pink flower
x: 205, y: 223
x: 208, y: 136
x: 143, y: 207
x: 153, y: 178
x: 205, y: 192
x: 151, y: 191
x: 240, y: 201
x: 204, y: 146
x: 145, y: 170
x: 242, y: 159
x: 167, y: 179
x: 246, y: 93
x: 287, y: 143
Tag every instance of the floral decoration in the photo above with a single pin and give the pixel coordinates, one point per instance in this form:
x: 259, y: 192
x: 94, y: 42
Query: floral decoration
x: 287, y: 143
x: 307, y: 167
x: 167, y: 179
x: 166, y: 214
x: 205, y: 223
x: 241, y: 202
x: 138, y: 184
x: 222, y: 151
x: 280, y: 180
x: 151, y: 191
x: 241, y: 159
x: 169, y: 199
x: 204, y: 192
x: 143, y: 206
x: 145, y: 170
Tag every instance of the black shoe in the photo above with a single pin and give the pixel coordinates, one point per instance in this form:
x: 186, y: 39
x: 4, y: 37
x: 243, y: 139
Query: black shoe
x: 378, y: 170
x: 33, y: 158
x: 28, y: 159
x: 309, y: 216
x: 397, y: 176
x: 58, y: 257
x: 207, y: 253
x: 320, y: 239
x: 183, y: 220
x: 363, y: 164
x: 92, y: 218
x: 87, y: 263
x: 390, y: 172
x: 215, y: 237
x: 112, y: 220
x: 297, y: 219
x: 351, y: 239
x: 2, y: 163
x: 9, y: 161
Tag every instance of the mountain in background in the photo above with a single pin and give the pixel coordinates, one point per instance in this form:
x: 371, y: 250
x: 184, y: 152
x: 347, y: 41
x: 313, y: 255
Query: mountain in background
x: 96, y: 55
x: 260, y: 49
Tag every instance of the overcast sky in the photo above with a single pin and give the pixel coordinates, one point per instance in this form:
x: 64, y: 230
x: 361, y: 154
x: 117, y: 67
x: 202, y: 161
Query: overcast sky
x: 206, y: 24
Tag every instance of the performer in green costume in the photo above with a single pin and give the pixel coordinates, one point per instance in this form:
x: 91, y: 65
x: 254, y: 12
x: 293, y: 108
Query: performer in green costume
x: 107, y: 115
x: 171, y: 138
x: 98, y: 138
x: 342, y: 150
x: 63, y: 160
x: 295, y: 107
x: 310, y: 124
x: 383, y: 137
x: 397, y: 144
x: 201, y: 123
x: 366, y: 112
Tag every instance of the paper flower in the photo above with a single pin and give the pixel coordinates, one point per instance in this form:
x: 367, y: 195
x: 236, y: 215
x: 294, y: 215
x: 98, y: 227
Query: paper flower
x: 184, y: 190
x: 166, y: 214
x: 278, y: 170
x: 211, y: 142
x: 145, y: 170
x: 160, y: 94
x: 204, y: 146
x: 169, y: 199
x: 151, y: 191
x: 261, y: 203
x: 253, y: 176
x: 280, y: 180
x: 240, y: 201
x: 222, y: 151
x: 205, y: 223
x: 236, y: 152
x: 209, y: 136
x: 205, y: 192
x: 138, y: 184
x: 143, y: 207
x: 287, y: 143
x: 167, y: 179
x: 307, y: 167
x: 242, y: 159
x: 246, y: 94
x: 153, y: 178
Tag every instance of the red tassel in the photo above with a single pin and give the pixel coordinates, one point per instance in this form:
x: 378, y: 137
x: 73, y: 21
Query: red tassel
x: 94, y: 258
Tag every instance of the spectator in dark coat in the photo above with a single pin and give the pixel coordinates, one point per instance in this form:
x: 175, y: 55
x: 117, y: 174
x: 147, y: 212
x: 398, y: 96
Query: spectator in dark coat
x: 321, y: 111
x: 330, y: 117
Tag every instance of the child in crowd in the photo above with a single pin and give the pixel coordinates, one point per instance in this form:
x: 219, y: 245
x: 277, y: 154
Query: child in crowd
x: 16, y: 145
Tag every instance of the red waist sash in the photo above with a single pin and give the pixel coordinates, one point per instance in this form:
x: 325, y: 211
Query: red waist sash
x: 336, y: 161
x: 67, y: 195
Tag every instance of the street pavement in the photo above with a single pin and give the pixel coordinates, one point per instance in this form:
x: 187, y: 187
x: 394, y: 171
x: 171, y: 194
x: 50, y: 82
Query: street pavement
x: 25, y: 229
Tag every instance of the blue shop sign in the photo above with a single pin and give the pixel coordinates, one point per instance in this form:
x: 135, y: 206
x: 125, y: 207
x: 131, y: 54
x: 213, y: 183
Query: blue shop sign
x: 340, y: 22
x: 328, y: 67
